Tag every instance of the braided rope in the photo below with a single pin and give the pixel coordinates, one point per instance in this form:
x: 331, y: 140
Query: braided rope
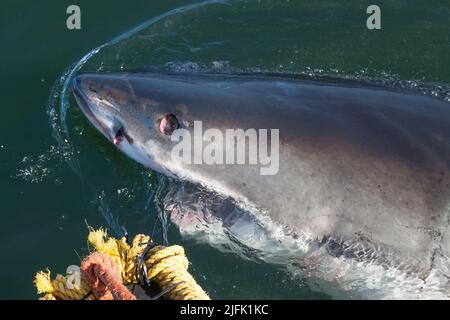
x: 167, y: 266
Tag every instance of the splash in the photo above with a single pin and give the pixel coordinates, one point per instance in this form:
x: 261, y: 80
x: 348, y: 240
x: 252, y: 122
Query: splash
x: 40, y: 168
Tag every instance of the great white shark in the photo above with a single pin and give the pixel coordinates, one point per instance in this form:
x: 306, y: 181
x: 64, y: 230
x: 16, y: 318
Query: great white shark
x: 364, y: 171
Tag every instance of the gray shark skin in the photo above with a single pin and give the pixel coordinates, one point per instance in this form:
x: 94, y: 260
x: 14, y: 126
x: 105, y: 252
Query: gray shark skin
x: 364, y: 171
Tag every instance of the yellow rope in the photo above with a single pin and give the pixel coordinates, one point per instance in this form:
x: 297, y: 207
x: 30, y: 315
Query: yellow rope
x: 165, y: 265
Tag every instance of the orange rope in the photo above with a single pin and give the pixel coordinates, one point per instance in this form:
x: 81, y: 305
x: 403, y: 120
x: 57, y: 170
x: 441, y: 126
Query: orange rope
x: 103, y: 275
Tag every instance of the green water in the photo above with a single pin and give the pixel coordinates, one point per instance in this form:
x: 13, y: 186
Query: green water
x: 49, y: 189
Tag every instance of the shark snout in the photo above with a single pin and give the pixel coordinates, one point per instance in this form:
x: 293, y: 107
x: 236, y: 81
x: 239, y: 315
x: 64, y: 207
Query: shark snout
x: 76, y: 87
x: 81, y: 95
x: 91, y: 102
x: 84, y: 87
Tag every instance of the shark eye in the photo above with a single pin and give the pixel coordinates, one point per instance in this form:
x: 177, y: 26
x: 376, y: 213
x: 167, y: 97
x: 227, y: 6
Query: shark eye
x: 118, y: 138
x: 168, y: 124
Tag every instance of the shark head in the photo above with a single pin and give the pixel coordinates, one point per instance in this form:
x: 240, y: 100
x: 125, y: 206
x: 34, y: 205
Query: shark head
x: 139, y: 114
x: 136, y: 114
x: 200, y: 119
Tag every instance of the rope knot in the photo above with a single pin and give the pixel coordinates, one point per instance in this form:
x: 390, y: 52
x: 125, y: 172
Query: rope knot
x: 104, y: 277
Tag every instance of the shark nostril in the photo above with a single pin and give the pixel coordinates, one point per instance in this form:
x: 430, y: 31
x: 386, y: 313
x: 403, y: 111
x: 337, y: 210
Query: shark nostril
x: 168, y: 124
